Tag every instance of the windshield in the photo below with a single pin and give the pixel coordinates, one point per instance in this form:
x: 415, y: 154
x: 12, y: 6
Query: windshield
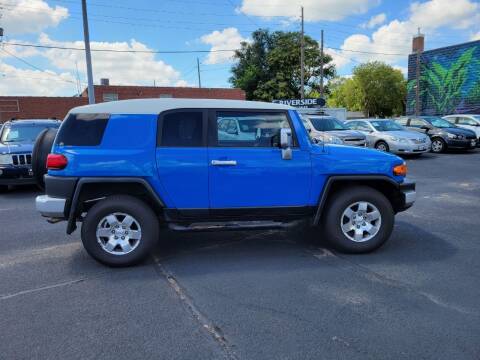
x: 439, y: 122
x: 22, y: 133
x: 327, y: 124
x: 386, y: 125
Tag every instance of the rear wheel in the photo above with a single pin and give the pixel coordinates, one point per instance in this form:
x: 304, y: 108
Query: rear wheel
x: 438, y: 145
x: 120, y: 231
x: 358, y: 220
x: 382, y: 146
x: 41, y: 149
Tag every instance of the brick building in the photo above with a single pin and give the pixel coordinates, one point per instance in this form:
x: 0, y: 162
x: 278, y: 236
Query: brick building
x: 41, y: 107
x: 449, y: 79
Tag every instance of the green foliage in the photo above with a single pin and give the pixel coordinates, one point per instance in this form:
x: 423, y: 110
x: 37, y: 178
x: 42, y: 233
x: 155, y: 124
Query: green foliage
x: 269, y: 67
x: 376, y: 88
x: 441, y: 86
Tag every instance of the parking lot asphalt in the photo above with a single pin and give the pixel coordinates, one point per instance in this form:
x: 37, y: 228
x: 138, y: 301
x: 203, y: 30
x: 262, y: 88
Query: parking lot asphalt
x: 253, y: 295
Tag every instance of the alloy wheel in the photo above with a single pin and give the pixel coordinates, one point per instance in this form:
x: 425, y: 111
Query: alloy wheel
x: 361, y: 221
x: 119, y: 233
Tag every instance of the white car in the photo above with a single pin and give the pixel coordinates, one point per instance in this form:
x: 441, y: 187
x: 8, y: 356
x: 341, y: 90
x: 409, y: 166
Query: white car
x: 466, y: 121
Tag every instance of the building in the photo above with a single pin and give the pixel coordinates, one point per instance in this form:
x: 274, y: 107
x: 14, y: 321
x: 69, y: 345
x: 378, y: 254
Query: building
x: 448, y: 78
x: 42, y: 107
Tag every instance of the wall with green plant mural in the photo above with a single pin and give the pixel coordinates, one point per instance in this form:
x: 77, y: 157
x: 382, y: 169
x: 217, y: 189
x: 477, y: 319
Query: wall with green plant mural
x: 449, y: 80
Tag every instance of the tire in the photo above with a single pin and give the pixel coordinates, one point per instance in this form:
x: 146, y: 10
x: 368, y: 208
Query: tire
x: 145, y: 223
x: 382, y: 146
x: 438, y: 145
x: 335, y: 216
x: 41, y: 149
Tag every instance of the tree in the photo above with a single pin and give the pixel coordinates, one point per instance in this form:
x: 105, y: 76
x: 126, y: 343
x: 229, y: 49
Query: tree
x: 376, y: 88
x: 268, y: 67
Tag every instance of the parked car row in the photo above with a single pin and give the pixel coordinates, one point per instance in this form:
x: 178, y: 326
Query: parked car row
x: 410, y: 135
x: 17, y: 138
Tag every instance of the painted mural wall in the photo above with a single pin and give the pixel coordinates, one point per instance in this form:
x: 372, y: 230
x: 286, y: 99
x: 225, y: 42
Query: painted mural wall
x: 449, y: 80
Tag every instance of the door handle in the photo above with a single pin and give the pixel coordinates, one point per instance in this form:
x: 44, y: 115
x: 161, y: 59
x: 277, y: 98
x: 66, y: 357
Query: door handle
x: 224, y: 162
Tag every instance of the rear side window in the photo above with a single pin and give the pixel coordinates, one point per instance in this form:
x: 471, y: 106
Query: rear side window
x: 181, y: 129
x: 82, y: 130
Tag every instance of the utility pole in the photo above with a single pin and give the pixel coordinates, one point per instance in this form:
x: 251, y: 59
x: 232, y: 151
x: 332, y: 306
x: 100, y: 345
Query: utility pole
x: 302, y: 62
x: 417, y: 77
x: 321, y: 66
x: 88, y: 56
x: 198, y: 72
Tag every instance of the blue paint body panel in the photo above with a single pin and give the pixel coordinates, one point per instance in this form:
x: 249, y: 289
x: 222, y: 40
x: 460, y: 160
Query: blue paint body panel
x: 184, y: 178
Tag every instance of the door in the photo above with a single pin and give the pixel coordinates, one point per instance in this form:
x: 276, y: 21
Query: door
x: 181, y: 157
x: 246, y: 169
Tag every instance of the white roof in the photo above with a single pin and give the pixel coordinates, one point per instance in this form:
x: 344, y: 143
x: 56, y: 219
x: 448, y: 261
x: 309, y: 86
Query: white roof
x: 156, y: 106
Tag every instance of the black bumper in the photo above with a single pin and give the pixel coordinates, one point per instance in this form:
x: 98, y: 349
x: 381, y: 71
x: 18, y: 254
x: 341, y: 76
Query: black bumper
x: 16, y: 175
x: 462, y: 144
x: 407, y: 195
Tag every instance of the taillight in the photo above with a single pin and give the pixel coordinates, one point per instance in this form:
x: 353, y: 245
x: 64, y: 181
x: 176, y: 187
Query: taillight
x: 56, y: 162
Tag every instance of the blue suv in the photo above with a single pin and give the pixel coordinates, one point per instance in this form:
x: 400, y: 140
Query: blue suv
x: 124, y: 169
x: 16, y: 144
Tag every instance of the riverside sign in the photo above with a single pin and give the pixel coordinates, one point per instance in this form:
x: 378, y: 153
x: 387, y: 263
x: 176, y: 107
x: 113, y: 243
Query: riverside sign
x: 302, y: 103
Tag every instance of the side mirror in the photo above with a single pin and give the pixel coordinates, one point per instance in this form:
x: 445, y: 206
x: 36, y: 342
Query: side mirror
x: 286, y: 143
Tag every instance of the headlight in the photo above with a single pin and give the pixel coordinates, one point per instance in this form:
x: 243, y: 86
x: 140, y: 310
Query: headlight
x: 453, y: 136
x: 397, y: 139
x: 5, y: 159
x: 330, y: 139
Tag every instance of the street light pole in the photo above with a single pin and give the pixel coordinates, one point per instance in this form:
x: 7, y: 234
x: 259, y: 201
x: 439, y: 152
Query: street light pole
x: 88, y: 56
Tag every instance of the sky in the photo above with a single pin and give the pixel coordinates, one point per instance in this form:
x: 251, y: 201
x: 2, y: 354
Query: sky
x: 134, y: 37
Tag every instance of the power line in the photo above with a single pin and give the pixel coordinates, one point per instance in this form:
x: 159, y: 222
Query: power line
x: 34, y: 66
x: 117, y: 50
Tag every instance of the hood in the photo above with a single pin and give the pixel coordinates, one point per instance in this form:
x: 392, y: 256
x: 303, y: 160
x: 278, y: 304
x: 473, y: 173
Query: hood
x: 342, y: 134
x: 351, y: 160
x: 458, y: 131
x: 404, y: 134
x: 15, y: 148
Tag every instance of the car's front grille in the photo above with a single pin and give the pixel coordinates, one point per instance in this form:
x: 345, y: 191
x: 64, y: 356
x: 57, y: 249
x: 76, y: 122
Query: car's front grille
x: 419, y: 141
x: 22, y: 159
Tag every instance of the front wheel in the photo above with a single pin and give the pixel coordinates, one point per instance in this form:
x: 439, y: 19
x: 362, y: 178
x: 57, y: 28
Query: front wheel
x: 120, y: 231
x: 358, y: 220
x: 382, y: 146
x: 438, y: 145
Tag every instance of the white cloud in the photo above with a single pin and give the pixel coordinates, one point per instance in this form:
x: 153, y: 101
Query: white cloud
x: 226, y: 39
x: 30, y: 16
x: 396, y: 36
x: 121, y: 68
x: 339, y: 59
x: 14, y: 81
x: 374, y: 21
x: 433, y: 14
x: 314, y: 10
x: 476, y: 36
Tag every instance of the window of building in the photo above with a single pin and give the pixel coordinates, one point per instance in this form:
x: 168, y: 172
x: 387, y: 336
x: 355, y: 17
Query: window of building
x: 182, y: 129
x: 250, y: 129
x: 110, y: 97
x: 165, y: 96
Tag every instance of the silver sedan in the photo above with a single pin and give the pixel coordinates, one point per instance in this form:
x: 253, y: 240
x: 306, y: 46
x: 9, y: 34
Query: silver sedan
x: 387, y: 135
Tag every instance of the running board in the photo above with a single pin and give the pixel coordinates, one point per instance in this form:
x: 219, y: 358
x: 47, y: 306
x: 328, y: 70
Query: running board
x: 233, y: 225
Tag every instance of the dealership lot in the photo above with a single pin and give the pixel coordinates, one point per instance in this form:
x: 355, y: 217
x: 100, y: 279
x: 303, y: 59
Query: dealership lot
x: 253, y: 295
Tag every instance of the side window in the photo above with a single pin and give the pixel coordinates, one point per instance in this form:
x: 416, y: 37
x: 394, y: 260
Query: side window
x: 363, y: 127
x: 416, y: 123
x: 402, y: 121
x: 352, y: 125
x: 82, y: 130
x: 465, y: 121
x: 181, y: 129
x: 249, y: 129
